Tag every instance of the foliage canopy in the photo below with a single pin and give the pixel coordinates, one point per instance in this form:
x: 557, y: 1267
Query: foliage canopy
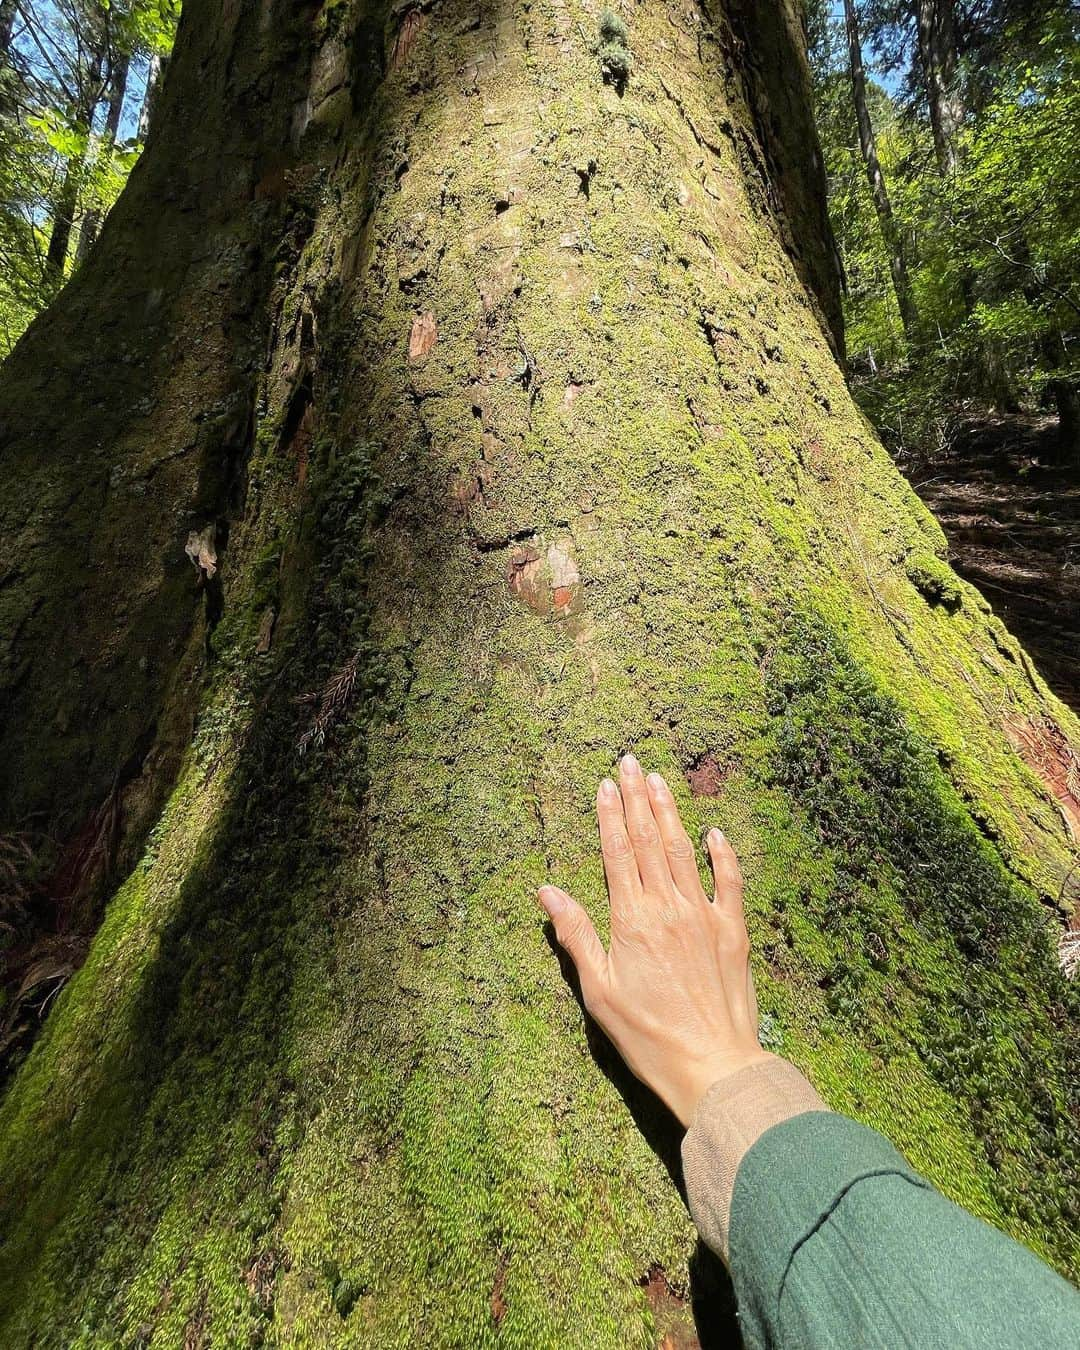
x: 993, y: 247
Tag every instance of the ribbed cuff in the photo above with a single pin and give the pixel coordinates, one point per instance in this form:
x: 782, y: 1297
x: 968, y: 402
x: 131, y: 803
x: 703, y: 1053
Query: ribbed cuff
x: 729, y: 1119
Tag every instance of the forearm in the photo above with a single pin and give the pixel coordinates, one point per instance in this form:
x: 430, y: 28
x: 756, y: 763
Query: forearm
x: 833, y: 1240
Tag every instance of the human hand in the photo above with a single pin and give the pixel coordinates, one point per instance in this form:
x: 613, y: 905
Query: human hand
x: 674, y: 992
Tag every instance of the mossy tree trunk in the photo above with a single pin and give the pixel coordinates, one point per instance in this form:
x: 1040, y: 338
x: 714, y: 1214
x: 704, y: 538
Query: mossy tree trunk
x: 507, y: 399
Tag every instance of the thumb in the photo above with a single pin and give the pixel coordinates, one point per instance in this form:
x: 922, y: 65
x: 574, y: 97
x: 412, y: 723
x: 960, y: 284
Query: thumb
x: 577, y: 937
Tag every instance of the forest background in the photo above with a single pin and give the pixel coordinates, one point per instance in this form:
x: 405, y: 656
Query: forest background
x: 950, y: 143
x: 78, y: 84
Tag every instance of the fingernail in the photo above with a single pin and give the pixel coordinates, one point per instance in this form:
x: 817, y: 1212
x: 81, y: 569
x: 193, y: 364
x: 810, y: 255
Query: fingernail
x: 716, y: 837
x: 552, y: 900
x: 608, y: 789
x: 630, y: 764
x: 657, y: 783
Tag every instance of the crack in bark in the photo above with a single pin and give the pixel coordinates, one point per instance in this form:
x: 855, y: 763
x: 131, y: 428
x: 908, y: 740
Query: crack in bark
x: 703, y: 141
x: 493, y: 543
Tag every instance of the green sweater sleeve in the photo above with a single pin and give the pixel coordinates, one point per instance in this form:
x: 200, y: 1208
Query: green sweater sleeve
x: 835, y: 1241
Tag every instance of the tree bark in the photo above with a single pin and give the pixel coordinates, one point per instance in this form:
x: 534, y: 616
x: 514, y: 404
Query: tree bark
x: 936, y: 24
x: 91, y: 221
x: 497, y: 409
x: 879, y: 192
x: 766, y: 46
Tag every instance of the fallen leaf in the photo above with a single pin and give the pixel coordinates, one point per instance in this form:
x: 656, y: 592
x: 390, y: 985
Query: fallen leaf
x: 200, y: 548
x: 422, y: 336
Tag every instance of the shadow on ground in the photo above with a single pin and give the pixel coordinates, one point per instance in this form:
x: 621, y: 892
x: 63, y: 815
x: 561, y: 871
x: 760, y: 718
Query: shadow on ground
x: 1012, y: 518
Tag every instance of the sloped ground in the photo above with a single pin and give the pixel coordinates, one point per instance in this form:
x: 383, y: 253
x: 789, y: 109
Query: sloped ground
x: 1012, y: 517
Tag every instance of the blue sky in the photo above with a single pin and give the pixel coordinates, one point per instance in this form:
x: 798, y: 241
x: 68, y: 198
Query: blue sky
x: 890, y: 81
x: 48, y: 46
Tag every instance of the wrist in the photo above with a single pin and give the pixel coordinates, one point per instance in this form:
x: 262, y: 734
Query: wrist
x: 727, y: 1123
x: 698, y: 1076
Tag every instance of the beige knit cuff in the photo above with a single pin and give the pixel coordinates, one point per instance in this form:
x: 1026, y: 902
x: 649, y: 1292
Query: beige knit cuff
x: 729, y: 1119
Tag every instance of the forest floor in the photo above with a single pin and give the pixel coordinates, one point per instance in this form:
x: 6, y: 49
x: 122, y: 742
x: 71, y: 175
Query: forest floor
x: 1012, y: 518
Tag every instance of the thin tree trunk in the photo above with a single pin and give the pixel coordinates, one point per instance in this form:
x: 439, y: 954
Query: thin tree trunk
x: 1067, y: 401
x: 151, y: 95
x: 371, y: 487
x: 890, y: 235
x: 63, y: 222
x: 67, y: 200
x: 936, y: 24
x: 8, y: 98
x: 1054, y: 352
x: 8, y: 13
x: 91, y: 221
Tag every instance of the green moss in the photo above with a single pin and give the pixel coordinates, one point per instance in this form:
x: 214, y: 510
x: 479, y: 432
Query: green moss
x: 616, y: 63
x: 935, y: 580
x: 922, y: 939
x: 613, y: 29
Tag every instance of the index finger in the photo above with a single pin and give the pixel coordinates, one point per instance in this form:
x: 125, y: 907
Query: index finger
x: 620, y: 865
